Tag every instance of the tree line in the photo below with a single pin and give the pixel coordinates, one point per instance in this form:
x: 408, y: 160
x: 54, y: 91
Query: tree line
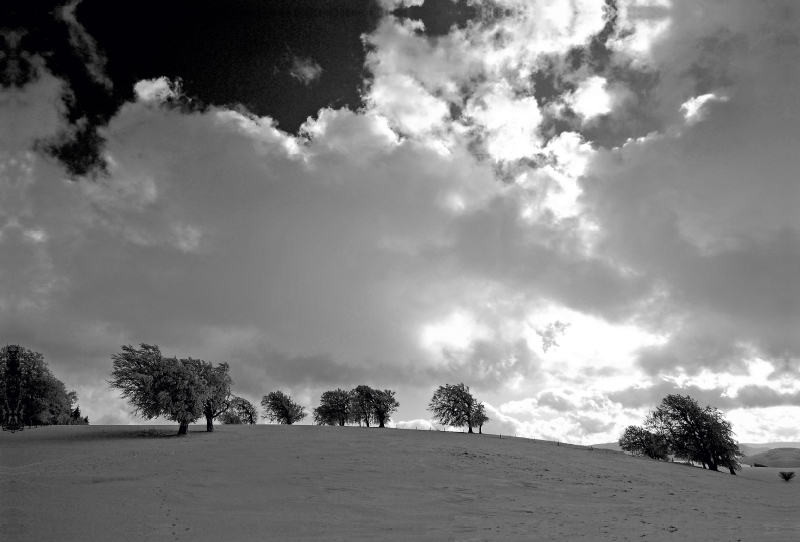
x: 184, y: 390
x: 31, y: 395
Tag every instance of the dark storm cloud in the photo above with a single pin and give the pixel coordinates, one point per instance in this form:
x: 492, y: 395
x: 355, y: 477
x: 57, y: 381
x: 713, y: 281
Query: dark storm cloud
x: 229, y: 58
x: 754, y: 396
x: 748, y: 396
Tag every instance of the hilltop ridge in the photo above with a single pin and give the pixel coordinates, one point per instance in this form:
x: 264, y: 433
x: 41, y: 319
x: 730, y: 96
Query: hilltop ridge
x: 776, y: 457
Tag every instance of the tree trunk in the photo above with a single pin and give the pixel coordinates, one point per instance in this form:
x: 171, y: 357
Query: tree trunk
x: 381, y: 425
x: 480, y: 429
x: 183, y: 428
x: 732, y: 470
x: 470, y: 428
x: 209, y: 422
x: 366, y: 421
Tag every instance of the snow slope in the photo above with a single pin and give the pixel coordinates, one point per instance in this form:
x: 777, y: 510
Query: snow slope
x: 293, y: 483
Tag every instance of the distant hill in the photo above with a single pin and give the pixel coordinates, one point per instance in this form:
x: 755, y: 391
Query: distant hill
x: 773, y: 445
x: 777, y: 457
x: 747, y: 449
x: 750, y: 450
x: 608, y: 446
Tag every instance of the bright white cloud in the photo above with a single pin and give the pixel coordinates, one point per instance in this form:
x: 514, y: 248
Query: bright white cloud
x: 591, y: 99
x: 154, y: 90
x: 510, y: 122
x: 420, y: 424
x: 407, y: 104
x: 457, y: 331
x: 695, y: 109
x: 644, y: 23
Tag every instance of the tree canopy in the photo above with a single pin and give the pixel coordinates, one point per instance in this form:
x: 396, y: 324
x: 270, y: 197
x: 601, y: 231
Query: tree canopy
x: 280, y: 408
x: 218, y: 383
x: 383, y: 406
x: 640, y: 441
x: 479, y: 417
x: 453, y: 404
x: 695, y: 433
x: 32, y: 395
x: 335, y: 408
x: 158, y: 386
x: 239, y: 411
x: 362, y: 404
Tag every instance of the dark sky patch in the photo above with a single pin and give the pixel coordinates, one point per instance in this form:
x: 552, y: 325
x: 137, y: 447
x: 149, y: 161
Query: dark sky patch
x: 236, y: 52
x: 240, y: 52
x: 549, y: 84
x: 439, y: 16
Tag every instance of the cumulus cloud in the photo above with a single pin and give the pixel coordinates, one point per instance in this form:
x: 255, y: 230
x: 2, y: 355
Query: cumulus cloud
x: 425, y: 425
x: 155, y: 90
x: 591, y: 98
x: 695, y: 109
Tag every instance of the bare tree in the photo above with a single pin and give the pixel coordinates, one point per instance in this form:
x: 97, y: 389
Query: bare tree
x: 453, y: 404
x: 280, y: 408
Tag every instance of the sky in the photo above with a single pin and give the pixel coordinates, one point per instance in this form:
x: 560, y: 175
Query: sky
x: 574, y: 207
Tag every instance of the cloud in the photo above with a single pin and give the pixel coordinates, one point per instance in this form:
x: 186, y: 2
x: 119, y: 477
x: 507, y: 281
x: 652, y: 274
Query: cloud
x: 591, y: 99
x: 747, y: 396
x: 305, y: 70
x: 405, y: 102
x: 695, y: 109
x: 556, y: 402
x: 30, y: 115
x: 424, y: 425
x: 154, y: 90
x: 426, y: 238
x: 85, y: 46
